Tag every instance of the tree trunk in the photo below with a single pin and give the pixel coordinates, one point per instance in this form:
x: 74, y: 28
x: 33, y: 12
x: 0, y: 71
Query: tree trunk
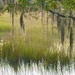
x: 47, y: 27
x: 12, y: 15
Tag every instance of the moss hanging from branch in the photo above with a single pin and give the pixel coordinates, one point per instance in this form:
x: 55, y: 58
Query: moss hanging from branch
x: 59, y: 23
x: 22, y: 25
x: 71, y: 41
x: 71, y: 38
x: 62, y: 31
x: 42, y: 11
x: 52, y: 17
x: 47, y: 27
x: 42, y: 2
x: 73, y: 23
x: 61, y: 28
x: 22, y: 21
x: 52, y: 22
x: 64, y: 21
x: 69, y: 25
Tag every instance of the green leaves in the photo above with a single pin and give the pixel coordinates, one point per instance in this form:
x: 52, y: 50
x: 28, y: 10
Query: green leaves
x: 37, y: 4
x: 24, y: 3
x: 69, y: 4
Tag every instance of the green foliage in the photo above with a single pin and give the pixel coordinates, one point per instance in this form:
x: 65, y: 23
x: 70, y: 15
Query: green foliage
x: 69, y: 4
x: 1, y: 9
x: 52, y: 4
x: 24, y: 3
x: 49, y: 4
x: 9, y: 7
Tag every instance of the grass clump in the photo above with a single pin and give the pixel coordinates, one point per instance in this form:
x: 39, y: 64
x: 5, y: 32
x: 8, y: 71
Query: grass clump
x: 64, y: 58
x: 51, y: 59
x: 21, y: 53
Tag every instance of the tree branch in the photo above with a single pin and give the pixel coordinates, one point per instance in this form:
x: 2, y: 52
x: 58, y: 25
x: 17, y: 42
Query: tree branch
x: 61, y: 15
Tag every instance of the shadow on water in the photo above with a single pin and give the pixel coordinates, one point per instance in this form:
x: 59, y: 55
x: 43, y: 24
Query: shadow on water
x: 34, y: 62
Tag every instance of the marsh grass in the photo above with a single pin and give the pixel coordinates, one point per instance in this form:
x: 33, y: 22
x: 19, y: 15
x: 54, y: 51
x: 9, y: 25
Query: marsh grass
x: 33, y: 49
x: 5, y: 24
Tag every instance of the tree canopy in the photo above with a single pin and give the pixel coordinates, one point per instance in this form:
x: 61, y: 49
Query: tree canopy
x: 46, y: 4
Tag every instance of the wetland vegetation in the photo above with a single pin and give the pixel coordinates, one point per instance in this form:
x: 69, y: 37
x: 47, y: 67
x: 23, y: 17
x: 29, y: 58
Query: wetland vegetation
x: 34, y: 50
x: 37, y: 37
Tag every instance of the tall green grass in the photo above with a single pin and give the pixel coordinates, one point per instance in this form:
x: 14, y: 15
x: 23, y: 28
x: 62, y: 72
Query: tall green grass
x: 5, y: 24
x: 33, y: 49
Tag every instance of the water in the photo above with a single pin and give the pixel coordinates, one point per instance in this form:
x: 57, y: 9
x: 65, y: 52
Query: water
x: 36, y: 69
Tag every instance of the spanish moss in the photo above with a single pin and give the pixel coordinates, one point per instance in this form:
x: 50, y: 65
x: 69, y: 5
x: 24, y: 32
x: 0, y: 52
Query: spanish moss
x: 69, y: 25
x: 71, y: 41
x: 59, y: 23
x: 62, y: 31
x: 22, y: 21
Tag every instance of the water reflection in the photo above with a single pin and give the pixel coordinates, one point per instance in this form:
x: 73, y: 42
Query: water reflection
x: 34, y: 69
x: 14, y: 66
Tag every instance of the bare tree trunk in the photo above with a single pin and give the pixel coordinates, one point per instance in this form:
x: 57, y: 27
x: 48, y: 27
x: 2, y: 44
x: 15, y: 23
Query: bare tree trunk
x: 43, y: 16
x: 47, y: 27
x: 12, y: 15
